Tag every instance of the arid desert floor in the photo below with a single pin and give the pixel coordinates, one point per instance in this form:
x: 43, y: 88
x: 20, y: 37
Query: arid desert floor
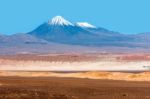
x: 59, y: 76
x: 71, y: 88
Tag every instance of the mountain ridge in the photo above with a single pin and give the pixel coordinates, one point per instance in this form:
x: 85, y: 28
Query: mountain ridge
x: 68, y: 36
x: 63, y: 31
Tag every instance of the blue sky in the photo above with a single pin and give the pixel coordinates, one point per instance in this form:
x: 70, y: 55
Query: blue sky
x: 126, y: 16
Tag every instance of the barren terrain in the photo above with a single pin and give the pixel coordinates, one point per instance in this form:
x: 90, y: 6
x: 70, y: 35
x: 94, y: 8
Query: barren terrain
x: 76, y: 62
x: 75, y: 76
x: 69, y: 88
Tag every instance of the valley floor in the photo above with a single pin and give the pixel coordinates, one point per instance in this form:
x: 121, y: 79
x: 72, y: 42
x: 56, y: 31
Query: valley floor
x: 29, y: 76
x: 71, y: 88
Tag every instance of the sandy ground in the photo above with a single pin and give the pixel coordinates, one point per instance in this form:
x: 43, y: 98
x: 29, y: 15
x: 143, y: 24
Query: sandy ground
x: 76, y: 63
x: 143, y: 76
x: 71, y: 88
x: 29, y: 76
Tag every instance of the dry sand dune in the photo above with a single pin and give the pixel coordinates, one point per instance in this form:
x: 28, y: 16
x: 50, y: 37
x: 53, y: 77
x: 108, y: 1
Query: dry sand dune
x: 144, y: 76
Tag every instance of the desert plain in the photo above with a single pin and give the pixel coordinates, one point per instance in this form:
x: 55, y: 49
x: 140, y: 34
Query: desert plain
x: 75, y: 76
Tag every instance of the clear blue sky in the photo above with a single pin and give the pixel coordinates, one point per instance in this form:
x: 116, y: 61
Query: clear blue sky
x: 126, y: 16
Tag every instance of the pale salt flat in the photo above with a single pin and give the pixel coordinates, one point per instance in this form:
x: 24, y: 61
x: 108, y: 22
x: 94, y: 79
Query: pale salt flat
x: 75, y: 66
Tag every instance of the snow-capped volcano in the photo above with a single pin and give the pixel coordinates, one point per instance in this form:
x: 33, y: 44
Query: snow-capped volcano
x: 60, y: 30
x: 85, y: 25
x: 59, y: 20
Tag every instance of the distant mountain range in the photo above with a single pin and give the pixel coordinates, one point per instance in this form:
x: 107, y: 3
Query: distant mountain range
x: 59, y: 35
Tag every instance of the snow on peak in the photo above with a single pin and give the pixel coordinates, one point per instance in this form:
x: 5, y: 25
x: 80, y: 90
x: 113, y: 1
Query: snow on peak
x: 85, y: 25
x: 59, y: 20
